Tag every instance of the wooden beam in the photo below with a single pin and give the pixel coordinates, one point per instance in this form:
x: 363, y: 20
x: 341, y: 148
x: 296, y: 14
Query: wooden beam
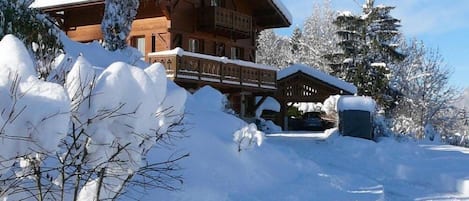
x: 262, y: 100
x: 71, y: 6
x: 165, y: 6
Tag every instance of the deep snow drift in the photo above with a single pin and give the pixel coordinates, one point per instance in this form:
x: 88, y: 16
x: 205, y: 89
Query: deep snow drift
x: 309, y: 167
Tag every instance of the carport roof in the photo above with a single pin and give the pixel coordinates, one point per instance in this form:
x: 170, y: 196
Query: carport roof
x: 311, y: 71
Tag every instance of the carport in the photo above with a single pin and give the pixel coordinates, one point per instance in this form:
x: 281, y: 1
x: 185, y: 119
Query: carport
x: 301, y: 83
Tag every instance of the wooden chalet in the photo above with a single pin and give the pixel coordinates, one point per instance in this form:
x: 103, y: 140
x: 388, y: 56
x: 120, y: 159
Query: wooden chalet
x: 199, y: 42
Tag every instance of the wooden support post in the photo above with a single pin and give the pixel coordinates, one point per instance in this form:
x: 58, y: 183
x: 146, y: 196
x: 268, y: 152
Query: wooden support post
x: 242, y: 111
x: 262, y: 100
x: 283, y: 115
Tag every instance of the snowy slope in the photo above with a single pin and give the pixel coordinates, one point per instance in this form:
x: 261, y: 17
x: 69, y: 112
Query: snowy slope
x: 338, y: 168
x: 300, y: 168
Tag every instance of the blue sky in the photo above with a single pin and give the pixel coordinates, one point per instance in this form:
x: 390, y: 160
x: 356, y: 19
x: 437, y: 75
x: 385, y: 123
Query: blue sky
x: 440, y: 24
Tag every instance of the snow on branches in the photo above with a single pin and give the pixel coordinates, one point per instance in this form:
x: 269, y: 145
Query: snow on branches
x: 117, y: 22
x: 248, y: 136
x: 85, y: 140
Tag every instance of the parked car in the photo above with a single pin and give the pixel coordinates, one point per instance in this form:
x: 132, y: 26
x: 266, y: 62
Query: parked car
x: 313, y: 121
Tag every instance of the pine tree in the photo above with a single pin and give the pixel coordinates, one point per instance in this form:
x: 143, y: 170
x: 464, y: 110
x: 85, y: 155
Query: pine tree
x: 296, y: 43
x: 367, y: 43
x: 117, y: 22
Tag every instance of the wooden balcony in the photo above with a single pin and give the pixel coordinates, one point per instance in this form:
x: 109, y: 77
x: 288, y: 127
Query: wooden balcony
x: 225, y: 22
x: 219, y: 71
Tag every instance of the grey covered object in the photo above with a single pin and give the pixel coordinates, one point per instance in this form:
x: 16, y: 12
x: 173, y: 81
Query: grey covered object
x: 356, y: 123
x: 356, y: 116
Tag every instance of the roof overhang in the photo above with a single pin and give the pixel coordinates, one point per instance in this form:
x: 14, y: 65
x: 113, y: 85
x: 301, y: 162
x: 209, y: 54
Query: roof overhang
x: 271, y: 14
x: 59, y: 5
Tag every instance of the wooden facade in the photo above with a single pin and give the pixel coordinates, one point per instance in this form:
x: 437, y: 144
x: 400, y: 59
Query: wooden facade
x: 216, y: 28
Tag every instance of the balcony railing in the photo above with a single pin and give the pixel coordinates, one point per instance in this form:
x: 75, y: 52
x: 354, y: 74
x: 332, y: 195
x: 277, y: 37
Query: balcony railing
x: 225, y: 22
x: 181, y: 65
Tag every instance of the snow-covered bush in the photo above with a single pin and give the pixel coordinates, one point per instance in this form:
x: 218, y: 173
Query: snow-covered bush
x: 37, y: 32
x: 268, y: 126
x: 270, y: 104
x: 34, y: 114
x: 213, y: 100
x: 117, y: 22
x: 247, y: 136
x: 329, y: 107
x: 87, y: 140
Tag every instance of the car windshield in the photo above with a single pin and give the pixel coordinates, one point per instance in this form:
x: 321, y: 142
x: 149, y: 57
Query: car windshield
x: 310, y: 115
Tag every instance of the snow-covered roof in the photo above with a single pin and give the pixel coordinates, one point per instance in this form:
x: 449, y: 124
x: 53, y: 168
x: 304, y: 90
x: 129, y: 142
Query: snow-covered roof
x: 362, y: 103
x: 54, y: 3
x: 180, y: 52
x: 283, y: 9
x: 349, y: 87
x: 345, y: 13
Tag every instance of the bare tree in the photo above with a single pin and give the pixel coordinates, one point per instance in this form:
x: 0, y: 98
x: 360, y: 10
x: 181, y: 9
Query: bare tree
x: 80, y: 145
x: 422, y: 80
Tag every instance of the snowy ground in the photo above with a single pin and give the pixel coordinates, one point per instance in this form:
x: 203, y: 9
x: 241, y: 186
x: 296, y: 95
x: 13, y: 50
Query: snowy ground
x: 311, y: 166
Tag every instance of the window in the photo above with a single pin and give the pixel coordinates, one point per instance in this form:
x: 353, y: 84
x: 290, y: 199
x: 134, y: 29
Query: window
x: 219, y: 3
x: 236, y: 53
x: 195, y: 45
x: 139, y: 43
x: 220, y: 49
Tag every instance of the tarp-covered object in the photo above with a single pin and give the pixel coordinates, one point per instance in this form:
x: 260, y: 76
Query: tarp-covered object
x: 356, y: 116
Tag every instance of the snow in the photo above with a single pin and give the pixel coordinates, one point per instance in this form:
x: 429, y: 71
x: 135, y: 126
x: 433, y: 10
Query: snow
x: 379, y: 65
x: 345, y: 14
x: 214, y: 100
x: 247, y: 136
x: 269, y: 104
x: 308, y: 107
x: 54, y: 3
x: 119, y: 107
x: 362, y: 103
x: 180, y: 52
x: 311, y: 166
x: 34, y: 114
x: 100, y: 57
x: 330, y: 104
x: 318, y: 75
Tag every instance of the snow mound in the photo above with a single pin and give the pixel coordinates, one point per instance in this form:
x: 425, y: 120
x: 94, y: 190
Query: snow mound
x: 269, y: 104
x: 213, y: 99
x: 356, y: 103
x: 330, y: 105
x: 34, y: 114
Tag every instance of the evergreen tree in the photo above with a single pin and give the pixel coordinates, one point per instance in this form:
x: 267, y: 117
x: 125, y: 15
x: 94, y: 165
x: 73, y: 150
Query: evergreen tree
x: 117, y: 22
x: 367, y: 43
x: 296, y: 43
